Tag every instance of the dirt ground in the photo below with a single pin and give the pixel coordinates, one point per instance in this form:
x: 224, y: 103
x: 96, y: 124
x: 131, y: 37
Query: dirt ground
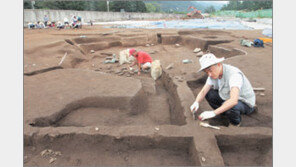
x: 90, y: 113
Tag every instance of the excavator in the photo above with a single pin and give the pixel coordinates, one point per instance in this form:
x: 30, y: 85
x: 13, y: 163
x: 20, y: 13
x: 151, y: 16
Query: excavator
x: 195, y: 13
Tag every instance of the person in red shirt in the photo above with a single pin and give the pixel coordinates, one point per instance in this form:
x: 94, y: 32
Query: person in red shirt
x: 143, y: 60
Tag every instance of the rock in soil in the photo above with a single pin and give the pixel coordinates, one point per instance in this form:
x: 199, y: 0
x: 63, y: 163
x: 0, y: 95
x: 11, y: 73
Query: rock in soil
x: 58, y: 153
x: 117, y: 72
x: 186, y: 61
x: 52, y: 159
x: 196, y: 50
x: 123, y: 69
x: 46, y: 152
x: 109, y: 67
x: 170, y: 66
x: 203, y: 159
x: 106, y: 54
x: 199, y: 54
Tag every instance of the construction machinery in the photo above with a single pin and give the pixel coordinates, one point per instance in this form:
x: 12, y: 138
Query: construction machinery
x: 195, y: 13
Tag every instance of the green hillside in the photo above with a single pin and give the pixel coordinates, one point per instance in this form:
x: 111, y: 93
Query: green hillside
x: 182, y: 6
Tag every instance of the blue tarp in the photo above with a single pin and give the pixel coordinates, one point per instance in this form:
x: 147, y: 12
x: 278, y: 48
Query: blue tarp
x: 267, y: 32
x: 186, y: 24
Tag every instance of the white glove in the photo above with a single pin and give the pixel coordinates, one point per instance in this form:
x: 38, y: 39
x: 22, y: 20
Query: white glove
x: 194, y: 107
x: 207, y: 115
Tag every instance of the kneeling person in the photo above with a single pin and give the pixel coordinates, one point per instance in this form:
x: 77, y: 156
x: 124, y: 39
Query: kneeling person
x: 227, y: 90
x: 143, y: 60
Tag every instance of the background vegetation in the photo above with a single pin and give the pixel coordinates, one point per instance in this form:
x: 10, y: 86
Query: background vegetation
x: 241, y: 9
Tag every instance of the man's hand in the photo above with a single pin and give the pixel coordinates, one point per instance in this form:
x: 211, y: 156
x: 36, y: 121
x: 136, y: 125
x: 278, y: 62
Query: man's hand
x: 207, y: 115
x: 194, y: 107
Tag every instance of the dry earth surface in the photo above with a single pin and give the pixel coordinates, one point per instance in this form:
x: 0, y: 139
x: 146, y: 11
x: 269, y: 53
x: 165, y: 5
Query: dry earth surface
x: 85, y: 112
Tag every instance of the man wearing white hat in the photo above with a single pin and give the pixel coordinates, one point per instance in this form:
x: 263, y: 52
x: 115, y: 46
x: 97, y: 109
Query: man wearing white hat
x: 227, y: 90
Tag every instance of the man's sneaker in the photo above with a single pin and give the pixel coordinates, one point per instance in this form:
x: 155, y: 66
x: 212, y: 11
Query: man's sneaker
x: 232, y: 125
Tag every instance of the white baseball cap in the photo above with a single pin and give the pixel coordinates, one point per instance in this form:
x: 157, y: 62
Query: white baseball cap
x: 208, y: 60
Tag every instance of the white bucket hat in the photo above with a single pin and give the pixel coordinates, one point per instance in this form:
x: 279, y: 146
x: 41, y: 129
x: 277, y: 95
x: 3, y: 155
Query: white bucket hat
x: 209, y: 59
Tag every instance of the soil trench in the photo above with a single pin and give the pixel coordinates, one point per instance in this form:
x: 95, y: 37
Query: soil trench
x: 156, y: 112
x: 85, y: 150
x: 156, y: 104
x: 246, y: 150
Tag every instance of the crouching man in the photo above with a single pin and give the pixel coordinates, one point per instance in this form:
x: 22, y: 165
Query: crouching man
x: 227, y: 90
x: 143, y: 60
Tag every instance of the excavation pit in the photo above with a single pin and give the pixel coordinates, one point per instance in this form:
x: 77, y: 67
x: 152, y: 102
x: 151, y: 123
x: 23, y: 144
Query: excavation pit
x: 101, y: 150
x: 246, y: 150
x: 86, y: 108
x: 155, y: 111
x: 152, y: 105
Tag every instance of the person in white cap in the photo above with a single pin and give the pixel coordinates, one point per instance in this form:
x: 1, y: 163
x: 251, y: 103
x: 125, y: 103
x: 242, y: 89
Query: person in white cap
x: 227, y: 90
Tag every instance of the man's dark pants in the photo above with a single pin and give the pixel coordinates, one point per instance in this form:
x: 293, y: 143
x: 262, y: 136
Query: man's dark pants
x: 233, y: 114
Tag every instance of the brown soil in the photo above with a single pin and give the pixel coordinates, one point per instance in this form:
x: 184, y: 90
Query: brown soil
x: 84, y: 150
x: 246, y: 150
x: 99, y: 114
x: 157, y: 112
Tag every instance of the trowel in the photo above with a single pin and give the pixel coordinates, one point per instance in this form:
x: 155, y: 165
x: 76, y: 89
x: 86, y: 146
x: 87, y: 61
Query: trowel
x: 206, y: 125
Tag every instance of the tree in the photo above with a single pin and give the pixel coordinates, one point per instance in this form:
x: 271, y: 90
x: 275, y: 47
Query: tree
x: 128, y: 6
x: 247, y: 5
x: 210, y: 9
x: 153, y: 7
x: 115, y: 6
x: 27, y: 5
x: 140, y: 6
x: 150, y: 8
x: 96, y: 6
x: 74, y: 5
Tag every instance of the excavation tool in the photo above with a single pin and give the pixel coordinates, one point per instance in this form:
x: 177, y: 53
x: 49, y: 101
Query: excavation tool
x: 194, y: 115
x: 206, y: 125
x: 63, y: 58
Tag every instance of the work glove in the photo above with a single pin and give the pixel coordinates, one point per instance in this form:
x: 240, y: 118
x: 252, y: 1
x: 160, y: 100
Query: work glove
x: 194, y: 107
x: 207, y: 115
